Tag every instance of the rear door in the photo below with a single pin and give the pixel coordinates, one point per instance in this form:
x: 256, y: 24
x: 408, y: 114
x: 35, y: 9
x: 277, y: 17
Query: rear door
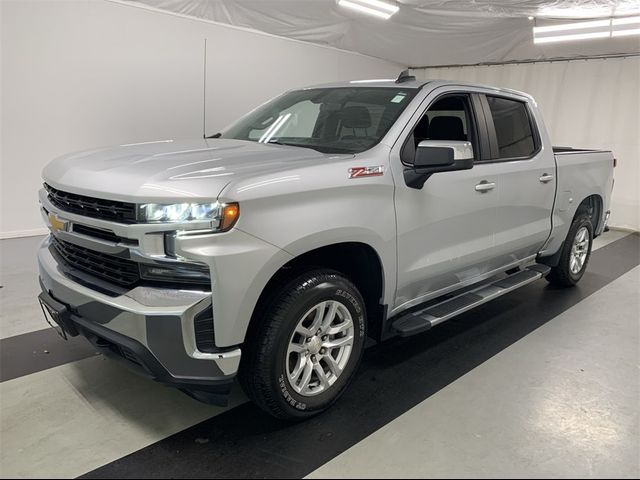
x: 525, y: 184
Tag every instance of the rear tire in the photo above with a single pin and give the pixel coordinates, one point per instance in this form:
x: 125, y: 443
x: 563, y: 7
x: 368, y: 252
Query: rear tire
x: 306, y: 348
x: 575, y: 253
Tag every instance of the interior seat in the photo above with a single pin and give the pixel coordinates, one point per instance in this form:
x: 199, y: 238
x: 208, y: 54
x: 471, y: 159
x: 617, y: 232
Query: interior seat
x: 356, y: 117
x: 447, y: 128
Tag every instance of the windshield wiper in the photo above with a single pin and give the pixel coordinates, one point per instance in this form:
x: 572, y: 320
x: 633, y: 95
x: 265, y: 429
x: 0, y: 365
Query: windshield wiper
x: 301, y: 145
x: 317, y: 148
x: 215, y: 135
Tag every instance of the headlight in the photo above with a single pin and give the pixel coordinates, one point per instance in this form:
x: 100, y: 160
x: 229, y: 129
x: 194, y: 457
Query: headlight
x: 222, y: 216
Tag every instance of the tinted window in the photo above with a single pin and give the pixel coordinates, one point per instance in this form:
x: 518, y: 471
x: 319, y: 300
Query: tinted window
x: 331, y: 120
x: 513, y: 128
x: 446, y: 119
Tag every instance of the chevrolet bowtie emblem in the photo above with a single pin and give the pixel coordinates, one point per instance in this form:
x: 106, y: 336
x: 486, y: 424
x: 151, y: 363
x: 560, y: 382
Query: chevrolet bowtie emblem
x: 56, y: 224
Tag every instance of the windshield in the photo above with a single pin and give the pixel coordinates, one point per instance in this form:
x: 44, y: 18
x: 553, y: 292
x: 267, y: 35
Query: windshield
x: 330, y: 120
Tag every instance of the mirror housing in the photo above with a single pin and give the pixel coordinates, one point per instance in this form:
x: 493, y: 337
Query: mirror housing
x: 434, y: 156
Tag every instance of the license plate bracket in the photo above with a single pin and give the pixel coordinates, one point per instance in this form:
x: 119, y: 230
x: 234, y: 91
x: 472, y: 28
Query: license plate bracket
x: 57, y: 316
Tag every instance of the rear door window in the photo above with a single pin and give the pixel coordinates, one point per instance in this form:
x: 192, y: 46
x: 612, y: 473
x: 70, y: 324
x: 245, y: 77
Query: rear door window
x: 514, y: 132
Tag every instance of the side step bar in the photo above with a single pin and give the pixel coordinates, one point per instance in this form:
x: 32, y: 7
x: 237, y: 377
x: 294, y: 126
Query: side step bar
x: 422, y: 320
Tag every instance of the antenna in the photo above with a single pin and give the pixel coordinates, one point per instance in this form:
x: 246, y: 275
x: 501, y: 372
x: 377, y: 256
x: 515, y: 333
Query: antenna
x: 204, y: 93
x: 405, y: 77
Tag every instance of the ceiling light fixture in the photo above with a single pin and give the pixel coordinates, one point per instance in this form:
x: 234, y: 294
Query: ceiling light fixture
x: 572, y: 26
x: 575, y: 36
x: 612, y: 27
x: 621, y: 27
x: 372, y: 7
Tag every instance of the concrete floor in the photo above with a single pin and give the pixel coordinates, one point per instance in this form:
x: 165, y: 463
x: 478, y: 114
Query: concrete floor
x: 572, y: 413
x: 560, y: 401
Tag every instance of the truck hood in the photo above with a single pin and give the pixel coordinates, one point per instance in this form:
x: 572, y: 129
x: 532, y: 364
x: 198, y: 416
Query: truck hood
x: 171, y: 170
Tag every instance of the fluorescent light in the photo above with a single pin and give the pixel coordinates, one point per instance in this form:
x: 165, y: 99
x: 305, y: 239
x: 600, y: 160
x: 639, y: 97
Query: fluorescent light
x: 583, y: 11
x: 576, y: 36
x: 625, y: 21
x: 381, y: 5
x: 572, y: 26
x: 624, y: 33
x: 364, y: 9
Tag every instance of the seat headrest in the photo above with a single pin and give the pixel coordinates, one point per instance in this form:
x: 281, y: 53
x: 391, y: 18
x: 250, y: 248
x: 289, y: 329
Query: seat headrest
x: 356, y: 117
x: 446, y: 128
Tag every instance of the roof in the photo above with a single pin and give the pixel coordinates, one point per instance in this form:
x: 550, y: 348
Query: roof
x: 416, y: 84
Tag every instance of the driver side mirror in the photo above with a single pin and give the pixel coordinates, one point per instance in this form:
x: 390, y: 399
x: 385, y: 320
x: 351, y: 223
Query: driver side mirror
x: 434, y: 156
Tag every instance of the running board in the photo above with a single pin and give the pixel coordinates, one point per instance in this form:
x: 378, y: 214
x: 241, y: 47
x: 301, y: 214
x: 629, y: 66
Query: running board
x: 422, y: 320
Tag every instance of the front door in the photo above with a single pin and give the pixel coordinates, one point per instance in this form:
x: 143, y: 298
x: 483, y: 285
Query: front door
x: 446, y: 228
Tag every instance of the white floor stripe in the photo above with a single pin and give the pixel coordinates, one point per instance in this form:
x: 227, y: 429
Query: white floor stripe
x: 71, y: 419
x: 562, y: 402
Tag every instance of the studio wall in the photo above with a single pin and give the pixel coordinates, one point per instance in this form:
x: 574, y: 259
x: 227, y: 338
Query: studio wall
x: 80, y: 74
x: 585, y: 103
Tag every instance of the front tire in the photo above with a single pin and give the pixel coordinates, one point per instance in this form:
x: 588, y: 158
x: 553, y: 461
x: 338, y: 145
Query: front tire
x: 575, y: 253
x: 307, y: 346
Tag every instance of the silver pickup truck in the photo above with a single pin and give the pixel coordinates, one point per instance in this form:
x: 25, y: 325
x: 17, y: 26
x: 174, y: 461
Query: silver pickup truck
x: 271, y: 250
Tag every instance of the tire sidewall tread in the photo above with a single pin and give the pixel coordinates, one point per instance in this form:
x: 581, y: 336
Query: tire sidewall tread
x: 263, y: 374
x: 561, y: 274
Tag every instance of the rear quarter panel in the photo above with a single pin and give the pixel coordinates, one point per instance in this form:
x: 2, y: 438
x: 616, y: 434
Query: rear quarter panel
x: 579, y: 175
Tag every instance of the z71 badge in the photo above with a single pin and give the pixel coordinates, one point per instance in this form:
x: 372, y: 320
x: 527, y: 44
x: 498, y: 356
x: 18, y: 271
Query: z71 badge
x: 360, y: 172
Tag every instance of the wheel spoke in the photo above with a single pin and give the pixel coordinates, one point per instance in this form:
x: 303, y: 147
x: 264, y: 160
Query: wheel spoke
x: 329, y: 316
x: 583, y: 235
x: 317, y: 319
x: 342, y: 327
x: 295, y: 375
x: 333, y: 365
x: 338, y: 342
x: 322, y: 376
x: 306, y: 376
x: 296, y: 348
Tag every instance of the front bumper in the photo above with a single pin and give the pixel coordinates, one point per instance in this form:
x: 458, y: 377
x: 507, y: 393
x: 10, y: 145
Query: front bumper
x: 150, y: 329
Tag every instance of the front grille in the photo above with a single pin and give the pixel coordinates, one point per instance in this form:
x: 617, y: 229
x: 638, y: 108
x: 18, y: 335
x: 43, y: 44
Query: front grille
x: 102, y: 234
x: 111, y: 210
x: 126, y: 273
x: 120, y: 271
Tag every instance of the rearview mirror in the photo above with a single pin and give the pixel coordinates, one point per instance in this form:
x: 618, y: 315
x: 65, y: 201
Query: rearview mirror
x: 434, y: 156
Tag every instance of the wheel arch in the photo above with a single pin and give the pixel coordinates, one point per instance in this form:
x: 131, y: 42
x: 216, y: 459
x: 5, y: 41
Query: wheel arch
x: 592, y: 206
x: 357, y: 261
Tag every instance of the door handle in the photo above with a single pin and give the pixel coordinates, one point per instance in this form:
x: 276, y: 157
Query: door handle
x: 485, y: 186
x: 546, y: 177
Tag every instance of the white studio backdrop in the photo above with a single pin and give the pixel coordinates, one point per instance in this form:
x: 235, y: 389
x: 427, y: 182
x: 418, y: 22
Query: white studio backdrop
x: 88, y: 73
x: 585, y: 103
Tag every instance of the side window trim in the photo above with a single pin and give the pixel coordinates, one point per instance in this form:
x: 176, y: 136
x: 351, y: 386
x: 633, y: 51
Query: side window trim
x: 491, y: 130
x: 482, y: 128
x: 493, y: 137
